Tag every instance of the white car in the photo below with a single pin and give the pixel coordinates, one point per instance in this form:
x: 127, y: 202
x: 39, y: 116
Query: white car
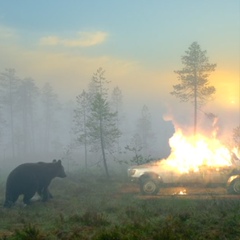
x: 154, y: 176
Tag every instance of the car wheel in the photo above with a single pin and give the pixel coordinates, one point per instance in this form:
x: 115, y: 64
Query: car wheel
x: 149, y: 187
x: 234, y: 187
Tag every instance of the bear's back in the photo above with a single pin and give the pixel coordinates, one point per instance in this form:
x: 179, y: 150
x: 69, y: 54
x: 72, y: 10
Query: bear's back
x: 26, y: 168
x: 24, y: 171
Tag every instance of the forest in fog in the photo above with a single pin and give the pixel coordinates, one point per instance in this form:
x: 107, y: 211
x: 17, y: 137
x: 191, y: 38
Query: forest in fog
x: 38, y: 125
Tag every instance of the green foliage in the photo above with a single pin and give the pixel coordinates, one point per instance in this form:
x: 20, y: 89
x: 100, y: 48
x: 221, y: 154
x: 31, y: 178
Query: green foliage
x: 94, y: 219
x: 194, y: 84
x: 96, y: 125
x: 84, y: 207
x: 80, y: 122
x: 193, y: 76
x: 144, y: 129
x: 137, y: 158
x: 28, y: 232
x: 101, y: 124
x: 80, y: 117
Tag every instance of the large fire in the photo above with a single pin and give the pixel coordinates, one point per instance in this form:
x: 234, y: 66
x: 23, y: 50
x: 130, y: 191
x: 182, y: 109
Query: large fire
x: 189, y: 153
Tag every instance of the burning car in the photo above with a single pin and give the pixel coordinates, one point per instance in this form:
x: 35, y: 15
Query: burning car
x: 194, y: 163
x: 154, y: 176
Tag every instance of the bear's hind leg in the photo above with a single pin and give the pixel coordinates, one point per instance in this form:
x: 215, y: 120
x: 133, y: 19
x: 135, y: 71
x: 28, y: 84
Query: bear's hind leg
x: 27, y: 197
x: 10, y: 201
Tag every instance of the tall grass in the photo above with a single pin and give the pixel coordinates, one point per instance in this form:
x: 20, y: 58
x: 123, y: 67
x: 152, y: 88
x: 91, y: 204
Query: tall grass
x: 90, y: 207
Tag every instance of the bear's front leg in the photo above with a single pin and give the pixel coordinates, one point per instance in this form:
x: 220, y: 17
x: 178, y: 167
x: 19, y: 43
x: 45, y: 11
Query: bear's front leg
x: 46, y: 195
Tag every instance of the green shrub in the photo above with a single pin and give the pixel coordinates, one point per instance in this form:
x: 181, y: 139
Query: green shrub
x: 28, y: 232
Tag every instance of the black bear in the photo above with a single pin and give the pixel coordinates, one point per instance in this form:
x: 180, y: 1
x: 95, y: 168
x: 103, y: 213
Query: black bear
x: 31, y: 178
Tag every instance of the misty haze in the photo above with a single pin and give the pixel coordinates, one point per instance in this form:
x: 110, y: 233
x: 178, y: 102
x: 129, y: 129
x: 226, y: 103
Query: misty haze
x: 120, y: 120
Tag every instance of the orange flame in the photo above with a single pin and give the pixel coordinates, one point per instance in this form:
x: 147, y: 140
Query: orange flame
x: 189, y: 153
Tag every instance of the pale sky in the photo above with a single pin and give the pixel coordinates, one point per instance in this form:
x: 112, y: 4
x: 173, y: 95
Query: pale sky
x: 138, y: 42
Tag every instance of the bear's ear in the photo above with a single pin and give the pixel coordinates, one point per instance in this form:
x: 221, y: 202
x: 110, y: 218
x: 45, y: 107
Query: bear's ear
x: 54, y: 161
x: 59, y: 161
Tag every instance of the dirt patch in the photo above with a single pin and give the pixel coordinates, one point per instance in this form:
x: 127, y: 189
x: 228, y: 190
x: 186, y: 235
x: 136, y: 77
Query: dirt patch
x: 179, y: 192
x: 129, y: 188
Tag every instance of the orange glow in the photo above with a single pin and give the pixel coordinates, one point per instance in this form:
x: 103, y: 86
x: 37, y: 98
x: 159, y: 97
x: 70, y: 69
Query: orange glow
x: 181, y: 192
x: 189, y: 153
x: 227, y: 88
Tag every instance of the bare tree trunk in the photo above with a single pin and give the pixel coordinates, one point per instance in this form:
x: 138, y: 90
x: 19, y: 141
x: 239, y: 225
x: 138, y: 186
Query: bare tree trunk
x: 12, y: 134
x: 11, y: 119
x: 32, y: 131
x: 85, y: 152
x: 195, y: 115
x: 104, y: 160
x: 47, y: 136
x: 85, y: 141
x: 195, y: 102
x: 103, y: 151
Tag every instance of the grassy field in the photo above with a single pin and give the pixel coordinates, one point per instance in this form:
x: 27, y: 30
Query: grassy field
x: 89, y: 207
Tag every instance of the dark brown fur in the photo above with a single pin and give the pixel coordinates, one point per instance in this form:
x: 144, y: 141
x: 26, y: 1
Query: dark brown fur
x: 29, y: 178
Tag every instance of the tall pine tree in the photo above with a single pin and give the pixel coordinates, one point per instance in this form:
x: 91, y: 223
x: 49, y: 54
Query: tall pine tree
x: 103, y: 131
x: 194, y: 84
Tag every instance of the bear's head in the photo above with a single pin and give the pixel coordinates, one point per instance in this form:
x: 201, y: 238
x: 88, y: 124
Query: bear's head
x: 60, y: 169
